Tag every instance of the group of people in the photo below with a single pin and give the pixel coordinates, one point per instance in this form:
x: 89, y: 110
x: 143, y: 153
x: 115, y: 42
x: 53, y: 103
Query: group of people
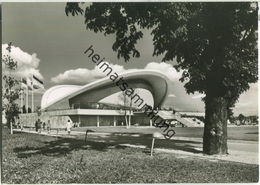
x: 40, y: 126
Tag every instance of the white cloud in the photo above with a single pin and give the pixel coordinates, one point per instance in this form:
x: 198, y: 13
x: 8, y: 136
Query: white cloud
x: 81, y: 76
x: 171, y: 95
x: 166, y: 69
x: 27, y: 64
x: 198, y: 96
x: 243, y: 104
x: 247, y: 102
x: 76, y: 76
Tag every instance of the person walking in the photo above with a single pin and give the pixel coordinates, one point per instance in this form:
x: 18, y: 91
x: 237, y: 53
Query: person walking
x: 39, y: 126
x: 68, y: 126
x: 48, y: 126
x: 44, y: 126
x: 18, y: 123
x: 36, y: 125
x: 21, y: 125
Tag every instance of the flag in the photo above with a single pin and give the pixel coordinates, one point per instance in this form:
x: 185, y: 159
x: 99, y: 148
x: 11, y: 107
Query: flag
x: 37, y: 83
x: 26, y: 82
x: 23, y: 83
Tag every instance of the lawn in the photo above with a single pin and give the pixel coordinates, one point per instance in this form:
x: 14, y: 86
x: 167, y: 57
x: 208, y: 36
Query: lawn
x: 248, y: 133
x: 30, y: 158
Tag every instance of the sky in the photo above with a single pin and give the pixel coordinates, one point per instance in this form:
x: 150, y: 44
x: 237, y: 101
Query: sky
x: 51, y: 45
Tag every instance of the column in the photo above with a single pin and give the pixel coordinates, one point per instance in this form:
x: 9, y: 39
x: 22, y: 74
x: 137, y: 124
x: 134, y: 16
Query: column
x: 32, y: 101
x: 97, y: 121
x: 79, y: 120
x: 114, y: 121
x: 27, y: 99
x: 22, y: 101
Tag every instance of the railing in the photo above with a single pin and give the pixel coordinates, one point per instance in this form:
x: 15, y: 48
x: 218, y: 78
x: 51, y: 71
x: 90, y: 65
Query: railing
x: 94, y: 105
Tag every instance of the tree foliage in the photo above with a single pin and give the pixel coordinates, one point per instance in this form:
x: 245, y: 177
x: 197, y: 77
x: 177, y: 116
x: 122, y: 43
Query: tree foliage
x: 10, y: 89
x: 241, y: 118
x: 214, y: 43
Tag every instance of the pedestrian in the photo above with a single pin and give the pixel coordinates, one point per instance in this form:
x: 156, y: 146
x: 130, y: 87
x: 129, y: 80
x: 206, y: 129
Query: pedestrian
x: 39, y: 125
x: 21, y: 125
x: 36, y: 125
x: 18, y: 123
x: 44, y: 126
x: 48, y: 126
x: 68, y: 126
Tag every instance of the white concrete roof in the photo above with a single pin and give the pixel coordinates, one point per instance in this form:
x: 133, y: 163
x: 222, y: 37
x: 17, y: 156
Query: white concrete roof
x: 152, y: 80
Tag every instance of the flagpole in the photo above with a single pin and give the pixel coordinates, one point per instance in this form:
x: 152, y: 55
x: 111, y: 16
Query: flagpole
x: 32, y: 96
x: 21, y: 95
x: 27, y: 97
x: 22, y: 98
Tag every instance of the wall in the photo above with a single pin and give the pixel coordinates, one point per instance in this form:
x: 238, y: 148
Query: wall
x: 59, y: 118
x: 88, y: 121
x: 28, y: 120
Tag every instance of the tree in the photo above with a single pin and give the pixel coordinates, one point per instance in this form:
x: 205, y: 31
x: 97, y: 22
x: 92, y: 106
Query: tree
x: 10, y: 89
x: 215, y: 44
x: 126, y: 100
x: 128, y: 104
x: 241, y: 119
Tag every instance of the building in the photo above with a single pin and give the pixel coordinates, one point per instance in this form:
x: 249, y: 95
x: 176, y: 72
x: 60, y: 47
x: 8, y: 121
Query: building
x: 81, y: 104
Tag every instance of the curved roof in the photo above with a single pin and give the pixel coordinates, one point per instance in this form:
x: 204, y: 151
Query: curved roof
x: 65, y: 95
x: 57, y: 92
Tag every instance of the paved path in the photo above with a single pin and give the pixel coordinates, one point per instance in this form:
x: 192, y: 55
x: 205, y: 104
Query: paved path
x: 239, y: 150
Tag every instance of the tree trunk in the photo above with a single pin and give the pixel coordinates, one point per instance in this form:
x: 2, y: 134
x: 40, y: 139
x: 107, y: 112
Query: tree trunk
x: 126, y: 121
x: 9, y: 124
x: 11, y: 128
x: 130, y: 111
x: 215, y: 129
x: 129, y: 120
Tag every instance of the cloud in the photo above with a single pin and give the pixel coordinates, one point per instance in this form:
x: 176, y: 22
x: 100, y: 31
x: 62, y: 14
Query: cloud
x: 27, y: 64
x: 248, y: 101
x: 76, y: 76
x: 166, y: 69
x: 198, y: 96
x: 81, y: 76
x: 171, y: 95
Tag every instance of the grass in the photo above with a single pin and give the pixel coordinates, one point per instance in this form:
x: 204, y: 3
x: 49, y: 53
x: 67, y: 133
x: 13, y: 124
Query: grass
x: 249, y: 133
x: 29, y: 158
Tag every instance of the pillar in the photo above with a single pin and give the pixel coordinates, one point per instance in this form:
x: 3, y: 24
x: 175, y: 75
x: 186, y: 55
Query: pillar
x: 79, y: 121
x: 151, y: 123
x: 114, y: 121
x: 97, y: 121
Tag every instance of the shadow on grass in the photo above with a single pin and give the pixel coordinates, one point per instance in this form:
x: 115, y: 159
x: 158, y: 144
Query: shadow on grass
x: 146, y: 140
x: 63, y: 146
